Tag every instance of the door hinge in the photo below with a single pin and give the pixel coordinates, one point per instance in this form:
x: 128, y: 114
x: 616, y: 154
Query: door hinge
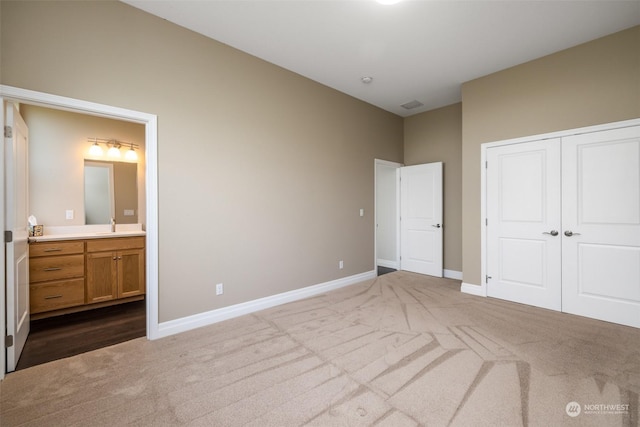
x: 8, y: 341
x: 486, y: 165
x: 486, y: 221
x: 8, y: 132
x: 8, y: 236
x: 486, y: 278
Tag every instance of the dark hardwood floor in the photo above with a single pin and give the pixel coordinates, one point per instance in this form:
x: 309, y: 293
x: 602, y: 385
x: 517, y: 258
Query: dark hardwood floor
x: 385, y: 270
x: 64, y: 336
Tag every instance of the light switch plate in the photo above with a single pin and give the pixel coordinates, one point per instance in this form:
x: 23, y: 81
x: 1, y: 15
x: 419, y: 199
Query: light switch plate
x: 69, y: 214
x: 128, y: 212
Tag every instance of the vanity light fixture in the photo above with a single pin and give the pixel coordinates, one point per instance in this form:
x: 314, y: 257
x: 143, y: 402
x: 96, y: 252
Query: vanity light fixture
x: 113, y: 149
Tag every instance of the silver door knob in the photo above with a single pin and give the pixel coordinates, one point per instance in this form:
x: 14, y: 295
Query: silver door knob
x: 552, y: 232
x: 436, y: 226
x: 570, y: 233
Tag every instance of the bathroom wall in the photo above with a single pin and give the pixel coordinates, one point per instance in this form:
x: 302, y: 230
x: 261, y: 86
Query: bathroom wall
x: 57, y: 148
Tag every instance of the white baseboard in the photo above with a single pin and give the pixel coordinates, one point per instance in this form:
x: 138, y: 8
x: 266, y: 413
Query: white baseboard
x: 387, y: 263
x: 188, y: 323
x: 478, y: 290
x: 452, y: 274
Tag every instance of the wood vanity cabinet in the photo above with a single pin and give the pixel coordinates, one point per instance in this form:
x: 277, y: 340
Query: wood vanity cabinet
x: 56, y: 275
x: 76, y: 275
x: 115, y: 268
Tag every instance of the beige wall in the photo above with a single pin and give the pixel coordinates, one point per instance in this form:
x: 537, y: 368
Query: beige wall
x: 57, y: 149
x: 593, y: 83
x: 261, y: 172
x: 436, y: 136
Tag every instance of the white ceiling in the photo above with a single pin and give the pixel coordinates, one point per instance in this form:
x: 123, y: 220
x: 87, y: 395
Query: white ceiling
x: 414, y: 50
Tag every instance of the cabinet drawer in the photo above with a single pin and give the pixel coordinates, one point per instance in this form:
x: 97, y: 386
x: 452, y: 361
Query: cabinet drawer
x: 55, y: 248
x: 56, y: 295
x: 56, y: 267
x: 117, y: 244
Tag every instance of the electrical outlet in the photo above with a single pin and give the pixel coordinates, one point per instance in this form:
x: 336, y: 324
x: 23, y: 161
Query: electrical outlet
x: 69, y: 214
x: 219, y: 289
x: 128, y: 212
x: 340, y: 265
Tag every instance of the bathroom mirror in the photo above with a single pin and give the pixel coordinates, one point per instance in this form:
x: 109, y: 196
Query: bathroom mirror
x: 110, y: 191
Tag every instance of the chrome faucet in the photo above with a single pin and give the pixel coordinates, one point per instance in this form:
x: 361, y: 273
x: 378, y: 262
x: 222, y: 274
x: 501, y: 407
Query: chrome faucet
x: 113, y: 225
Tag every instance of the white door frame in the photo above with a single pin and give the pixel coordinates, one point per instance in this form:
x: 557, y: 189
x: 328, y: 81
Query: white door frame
x: 397, y: 166
x: 150, y: 121
x: 3, y: 303
x: 480, y: 289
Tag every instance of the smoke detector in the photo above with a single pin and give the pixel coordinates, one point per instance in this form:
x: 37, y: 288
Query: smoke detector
x: 366, y: 79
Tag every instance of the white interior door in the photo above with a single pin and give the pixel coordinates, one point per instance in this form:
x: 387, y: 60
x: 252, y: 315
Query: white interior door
x: 421, y: 219
x: 601, y: 225
x: 17, y: 251
x: 523, y: 223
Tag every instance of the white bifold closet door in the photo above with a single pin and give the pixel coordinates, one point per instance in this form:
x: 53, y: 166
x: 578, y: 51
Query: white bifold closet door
x: 564, y: 224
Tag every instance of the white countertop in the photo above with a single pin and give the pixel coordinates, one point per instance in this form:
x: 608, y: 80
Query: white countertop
x: 88, y: 232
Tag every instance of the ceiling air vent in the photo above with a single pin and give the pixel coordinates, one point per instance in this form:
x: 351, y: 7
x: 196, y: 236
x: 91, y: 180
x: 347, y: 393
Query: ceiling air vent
x: 411, y: 105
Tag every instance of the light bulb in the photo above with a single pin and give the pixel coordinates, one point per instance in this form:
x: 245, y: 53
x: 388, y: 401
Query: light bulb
x: 113, y: 151
x: 95, y: 150
x: 131, y: 155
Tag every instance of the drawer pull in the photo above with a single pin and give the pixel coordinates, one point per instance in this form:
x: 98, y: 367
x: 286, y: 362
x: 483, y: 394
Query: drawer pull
x: 53, y: 296
x: 53, y: 269
x: 52, y: 250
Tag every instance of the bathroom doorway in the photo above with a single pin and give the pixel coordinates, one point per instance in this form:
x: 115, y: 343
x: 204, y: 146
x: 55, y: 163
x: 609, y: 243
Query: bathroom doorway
x: 61, y: 164
x: 149, y: 123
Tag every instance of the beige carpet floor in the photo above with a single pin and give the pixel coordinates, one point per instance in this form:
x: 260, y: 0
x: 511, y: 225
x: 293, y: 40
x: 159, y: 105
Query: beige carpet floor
x: 401, y: 350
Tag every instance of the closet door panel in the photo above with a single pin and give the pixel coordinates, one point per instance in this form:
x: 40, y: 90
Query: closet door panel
x: 601, y: 225
x: 523, y: 212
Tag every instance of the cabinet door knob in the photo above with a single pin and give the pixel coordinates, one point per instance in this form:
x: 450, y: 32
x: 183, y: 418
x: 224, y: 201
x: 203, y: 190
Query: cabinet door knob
x: 115, y: 258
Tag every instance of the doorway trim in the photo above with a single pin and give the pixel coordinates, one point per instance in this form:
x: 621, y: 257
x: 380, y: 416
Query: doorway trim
x: 150, y: 121
x: 481, y: 289
x: 397, y: 166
